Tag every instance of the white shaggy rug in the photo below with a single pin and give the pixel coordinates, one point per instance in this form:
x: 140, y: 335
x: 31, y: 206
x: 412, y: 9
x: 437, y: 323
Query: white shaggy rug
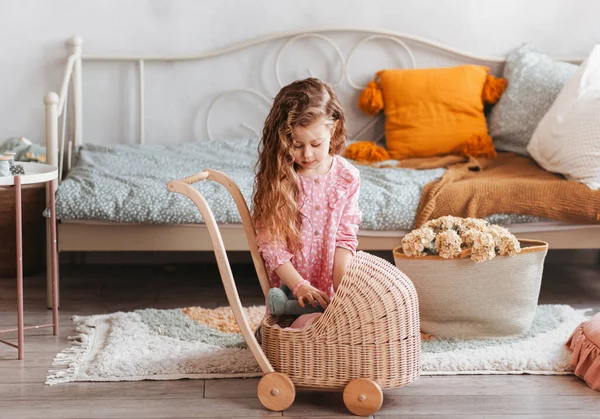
x: 168, y: 345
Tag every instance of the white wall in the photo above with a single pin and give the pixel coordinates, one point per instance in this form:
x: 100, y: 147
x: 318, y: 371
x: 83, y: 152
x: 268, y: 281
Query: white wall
x: 32, y: 34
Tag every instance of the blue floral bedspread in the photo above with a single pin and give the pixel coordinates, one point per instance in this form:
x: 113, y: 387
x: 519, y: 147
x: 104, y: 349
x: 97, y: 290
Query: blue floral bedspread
x: 128, y: 184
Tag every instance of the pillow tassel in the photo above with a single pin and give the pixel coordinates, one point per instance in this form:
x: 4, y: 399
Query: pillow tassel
x: 493, y: 89
x: 371, y: 99
x: 366, y: 152
x: 479, y: 146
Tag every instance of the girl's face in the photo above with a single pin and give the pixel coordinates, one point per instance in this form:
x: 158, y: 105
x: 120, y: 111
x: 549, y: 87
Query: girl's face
x: 311, y: 147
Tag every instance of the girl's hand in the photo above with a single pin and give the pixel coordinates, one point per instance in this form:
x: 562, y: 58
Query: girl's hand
x: 311, y: 295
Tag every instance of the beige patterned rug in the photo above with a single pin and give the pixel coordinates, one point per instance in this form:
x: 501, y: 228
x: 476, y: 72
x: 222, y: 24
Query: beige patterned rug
x: 222, y: 318
x: 202, y: 343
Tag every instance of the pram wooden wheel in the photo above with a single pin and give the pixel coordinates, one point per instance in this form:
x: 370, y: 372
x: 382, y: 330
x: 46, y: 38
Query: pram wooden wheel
x: 276, y: 391
x: 363, y: 397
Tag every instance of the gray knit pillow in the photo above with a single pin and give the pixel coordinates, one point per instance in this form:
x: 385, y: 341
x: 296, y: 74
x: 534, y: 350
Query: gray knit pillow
x: 533, y: 82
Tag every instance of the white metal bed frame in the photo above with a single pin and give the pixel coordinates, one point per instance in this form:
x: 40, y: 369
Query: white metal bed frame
x: 75, y: 236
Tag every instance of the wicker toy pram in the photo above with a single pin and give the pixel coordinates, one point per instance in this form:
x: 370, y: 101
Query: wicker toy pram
x: 367, y: 339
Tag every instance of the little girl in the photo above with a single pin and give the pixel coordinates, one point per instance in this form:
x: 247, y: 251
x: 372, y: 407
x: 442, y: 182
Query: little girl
x: 305, y: 202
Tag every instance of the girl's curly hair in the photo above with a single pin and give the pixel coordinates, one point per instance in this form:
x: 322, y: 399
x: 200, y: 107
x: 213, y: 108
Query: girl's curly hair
x: 276, y: 191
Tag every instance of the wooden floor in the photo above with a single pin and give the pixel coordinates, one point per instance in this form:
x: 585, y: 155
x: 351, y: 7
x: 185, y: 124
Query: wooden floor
x: 94, y: 289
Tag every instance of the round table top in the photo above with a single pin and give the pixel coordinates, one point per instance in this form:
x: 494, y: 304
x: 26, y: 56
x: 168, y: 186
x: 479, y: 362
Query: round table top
x: 34, y: 173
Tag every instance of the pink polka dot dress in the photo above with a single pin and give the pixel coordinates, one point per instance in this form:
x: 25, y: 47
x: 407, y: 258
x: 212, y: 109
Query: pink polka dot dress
x: 330, y: 218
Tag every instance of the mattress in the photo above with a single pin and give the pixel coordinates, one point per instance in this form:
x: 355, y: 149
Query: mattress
x: 128, y: 184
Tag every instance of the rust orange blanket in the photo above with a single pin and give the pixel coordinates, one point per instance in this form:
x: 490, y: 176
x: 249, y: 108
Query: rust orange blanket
x: 508, y: 184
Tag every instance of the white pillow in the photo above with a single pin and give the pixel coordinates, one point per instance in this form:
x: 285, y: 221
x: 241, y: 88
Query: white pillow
x: 567, y: 139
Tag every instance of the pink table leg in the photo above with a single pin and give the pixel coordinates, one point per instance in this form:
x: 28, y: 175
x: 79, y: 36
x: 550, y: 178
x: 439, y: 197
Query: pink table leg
x: 20, y: 346
x: 54, y: 259
x: 19, y: 226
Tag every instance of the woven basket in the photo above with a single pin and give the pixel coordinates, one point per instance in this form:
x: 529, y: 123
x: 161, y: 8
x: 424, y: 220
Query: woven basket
x: 463, y: 299
x: 370, y: 330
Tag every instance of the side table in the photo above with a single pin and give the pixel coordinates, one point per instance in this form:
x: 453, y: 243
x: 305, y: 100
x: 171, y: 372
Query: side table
x: 34, y: 173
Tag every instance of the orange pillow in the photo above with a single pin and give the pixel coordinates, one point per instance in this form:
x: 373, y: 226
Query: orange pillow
x: 434, y: 111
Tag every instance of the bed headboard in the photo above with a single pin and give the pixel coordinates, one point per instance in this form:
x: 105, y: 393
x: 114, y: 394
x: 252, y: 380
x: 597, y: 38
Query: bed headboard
x: 345, y: 57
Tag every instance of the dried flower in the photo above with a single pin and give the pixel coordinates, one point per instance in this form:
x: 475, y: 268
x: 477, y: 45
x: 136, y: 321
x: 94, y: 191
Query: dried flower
x: 505, y: 242
x: 417, y: 241
x: 447, y: 244
x: 447, y: 222
x: 448, y: 236
x: 473, y: 224
x: 483, y: 247
x: 508, y: 246
x: 467, y: 237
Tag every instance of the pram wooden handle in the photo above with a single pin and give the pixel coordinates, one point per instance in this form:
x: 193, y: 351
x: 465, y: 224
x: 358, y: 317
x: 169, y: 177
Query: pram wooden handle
x: 195, y: 178
x: 184, y: 187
